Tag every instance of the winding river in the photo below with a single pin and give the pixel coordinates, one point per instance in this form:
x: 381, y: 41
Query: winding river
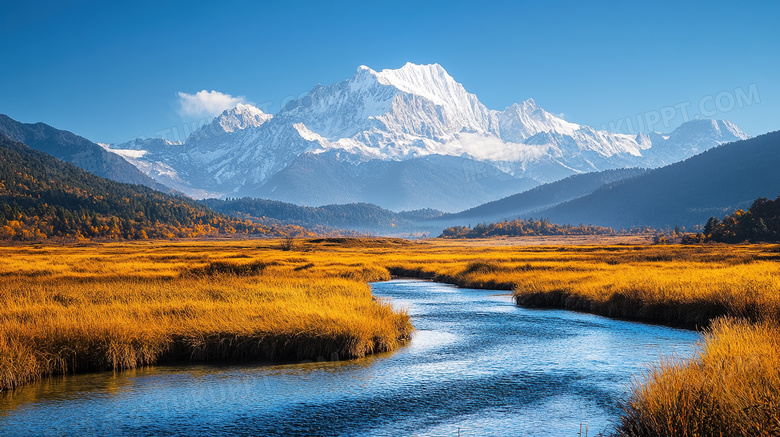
x: 478, y: 366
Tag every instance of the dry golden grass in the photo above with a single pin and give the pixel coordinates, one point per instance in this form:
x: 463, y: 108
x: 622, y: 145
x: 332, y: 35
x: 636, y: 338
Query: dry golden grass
x: 65, y: 310
x: 731, y: 389
x: 117, y: 306
x: 677, y: 285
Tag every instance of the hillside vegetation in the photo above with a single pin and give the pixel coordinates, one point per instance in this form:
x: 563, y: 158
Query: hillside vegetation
x: 523, y: 228
x: 358, y: 217
x: 42, y: 197
x: 714, y: 183
x: 760, y: 223
x: 77, y: 150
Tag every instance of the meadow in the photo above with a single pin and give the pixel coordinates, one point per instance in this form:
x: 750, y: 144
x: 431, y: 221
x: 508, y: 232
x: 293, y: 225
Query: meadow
x: 123, y: 305
x: 74, y: 309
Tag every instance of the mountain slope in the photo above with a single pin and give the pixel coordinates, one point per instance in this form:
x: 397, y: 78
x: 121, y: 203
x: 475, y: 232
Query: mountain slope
x: 544, y: 196
x: 359, y: 217
x: 687, y: 193
x: 77, y: 150
x: 438, y: 182
x: 690, y: 139
x: 414, y: 112
x: 43, y: 197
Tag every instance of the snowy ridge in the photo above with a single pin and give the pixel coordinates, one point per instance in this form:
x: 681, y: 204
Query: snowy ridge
x: 403, y: 114
x: 242, y: 117
x: 521, y: 121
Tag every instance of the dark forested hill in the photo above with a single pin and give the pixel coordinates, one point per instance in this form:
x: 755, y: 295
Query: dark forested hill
x: 543, y: 196
x: 760, y: 223
x: 43, y: 197
x: 522, y: 228
x: 77, y: 150
x: 360, y: 217
x: 687, y: 193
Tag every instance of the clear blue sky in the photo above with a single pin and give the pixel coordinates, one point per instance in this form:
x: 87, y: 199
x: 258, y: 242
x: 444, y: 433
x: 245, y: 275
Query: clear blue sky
x: 112, y: 72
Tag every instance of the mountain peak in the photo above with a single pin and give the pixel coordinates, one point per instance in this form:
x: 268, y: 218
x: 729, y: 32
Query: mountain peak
x: 527, y: 105
x: 692, y: 138
x: 365, y: 69
x: 432, y: 67
x: 242, y: 117
x: 724, y: 130
x: 430, y: 81
x: 524, y: 120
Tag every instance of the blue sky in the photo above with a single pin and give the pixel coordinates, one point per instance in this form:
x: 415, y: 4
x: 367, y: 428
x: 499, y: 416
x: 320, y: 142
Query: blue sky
x: 112, y: 72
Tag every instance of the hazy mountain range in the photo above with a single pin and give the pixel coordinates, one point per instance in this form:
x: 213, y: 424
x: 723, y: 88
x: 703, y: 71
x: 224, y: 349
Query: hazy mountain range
x: 530, y: 203
x: 712, y: 183
x: 363, y: 218
x: 403, y: 139
x: 686, y: 193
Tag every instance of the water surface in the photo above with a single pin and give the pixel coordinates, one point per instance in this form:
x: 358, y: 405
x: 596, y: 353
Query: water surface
x: 478, y: 366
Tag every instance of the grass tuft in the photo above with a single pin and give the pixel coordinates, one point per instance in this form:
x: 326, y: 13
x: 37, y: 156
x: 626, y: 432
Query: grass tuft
x: 732, y: 388
x: 230, y: 268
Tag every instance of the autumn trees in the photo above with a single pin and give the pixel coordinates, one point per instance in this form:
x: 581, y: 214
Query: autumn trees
x: 520, y: 228
x: 760, y: 223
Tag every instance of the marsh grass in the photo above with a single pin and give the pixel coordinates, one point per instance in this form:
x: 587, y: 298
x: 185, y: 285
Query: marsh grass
x: 685, y: 286
x: 230, y: 268
x: 732, y: 388
x: 120, y: 306
x: 121, y: 313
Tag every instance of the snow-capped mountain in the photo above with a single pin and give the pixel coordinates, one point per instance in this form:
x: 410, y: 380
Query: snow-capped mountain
x: 361, y: 128
x: 690, y: 139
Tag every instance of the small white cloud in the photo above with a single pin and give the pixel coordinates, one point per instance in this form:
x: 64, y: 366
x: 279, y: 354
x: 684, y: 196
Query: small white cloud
x: 207, y: 103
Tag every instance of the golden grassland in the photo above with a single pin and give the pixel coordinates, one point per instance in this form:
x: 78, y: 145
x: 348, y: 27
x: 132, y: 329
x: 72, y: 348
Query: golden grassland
x: 123, y: 305
x: 66, y: 310
x: 732, y: 388
x: 675, y: 285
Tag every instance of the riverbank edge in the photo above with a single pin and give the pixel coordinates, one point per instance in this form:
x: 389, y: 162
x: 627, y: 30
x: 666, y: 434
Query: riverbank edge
x: 219, y: 348
x: 691, y: 316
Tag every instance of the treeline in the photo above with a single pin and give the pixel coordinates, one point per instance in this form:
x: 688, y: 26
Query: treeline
x: 357, y: 216
x: 42, y: 197
x: 522, y: 228
x: 760, y: 223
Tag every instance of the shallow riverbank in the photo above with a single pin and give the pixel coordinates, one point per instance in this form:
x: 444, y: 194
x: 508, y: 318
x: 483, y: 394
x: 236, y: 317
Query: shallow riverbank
x: 478, y: 365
